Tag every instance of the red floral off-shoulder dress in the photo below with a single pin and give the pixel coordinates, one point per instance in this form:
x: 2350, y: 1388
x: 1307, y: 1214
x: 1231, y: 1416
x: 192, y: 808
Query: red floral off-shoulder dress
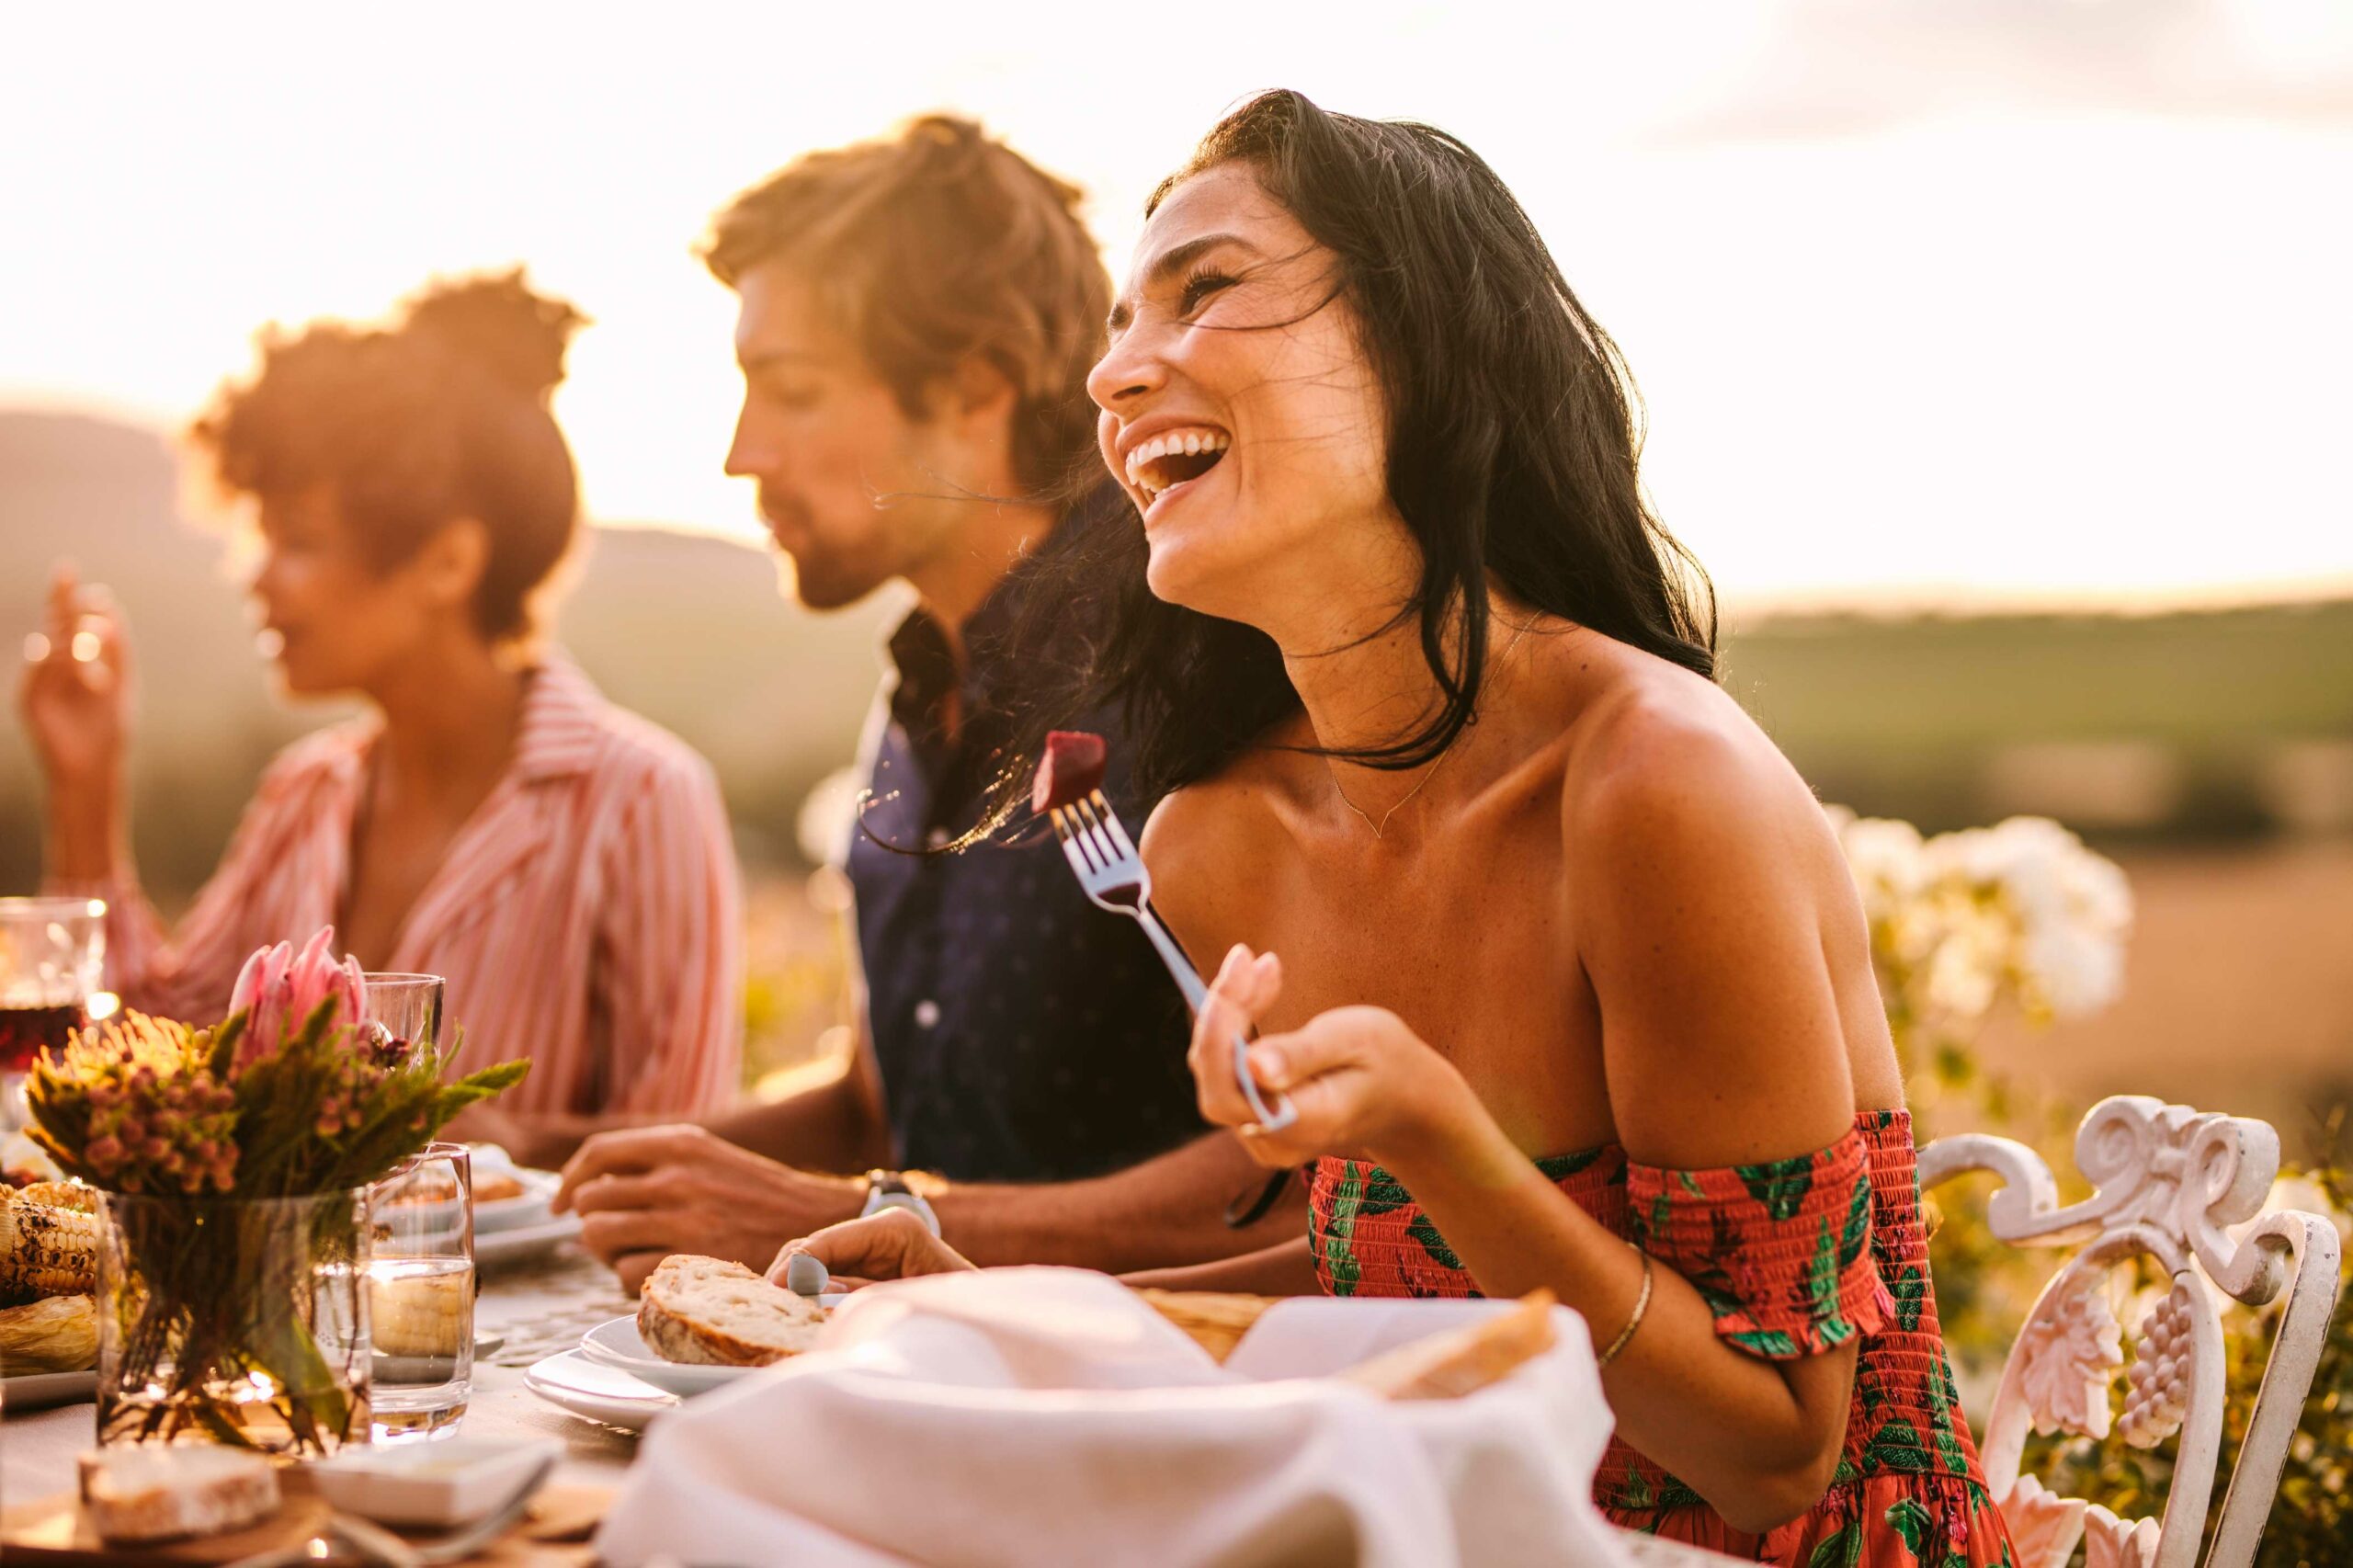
x: 1794, y: 1258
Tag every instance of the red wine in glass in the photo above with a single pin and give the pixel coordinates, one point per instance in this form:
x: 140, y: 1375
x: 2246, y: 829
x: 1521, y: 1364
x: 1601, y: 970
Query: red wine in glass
x: 26, y: 1032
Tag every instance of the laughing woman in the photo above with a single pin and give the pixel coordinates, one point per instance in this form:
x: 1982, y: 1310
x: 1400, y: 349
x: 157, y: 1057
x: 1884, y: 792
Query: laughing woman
x: 491, y: 819
x: 1574, y: 990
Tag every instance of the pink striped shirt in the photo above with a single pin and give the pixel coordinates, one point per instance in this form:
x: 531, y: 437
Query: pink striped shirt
x: 586, y: 917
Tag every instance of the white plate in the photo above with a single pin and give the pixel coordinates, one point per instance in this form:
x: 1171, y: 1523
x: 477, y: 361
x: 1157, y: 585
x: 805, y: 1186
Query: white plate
x: 38, y: 1391
x: 617, y: 1345
x: 512, y: 1213
x: 494, y: 1248
x: 569, y: 1380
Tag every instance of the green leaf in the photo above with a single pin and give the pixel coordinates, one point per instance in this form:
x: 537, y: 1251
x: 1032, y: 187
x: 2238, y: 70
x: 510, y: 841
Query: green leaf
x: 1911, y: 1521
x: 1896, y: 1446
x: 1910, y: 1289
x: 1840, y: 1550
x: 1822, y: 1275
x: 222, y: 1052
x: 1423, y: 1230
x: 1782, y: 1185
x: 1340, y: 1259
x: 1858, y: 1223
x: 1383, y: 1193
x: 1558, y: 1168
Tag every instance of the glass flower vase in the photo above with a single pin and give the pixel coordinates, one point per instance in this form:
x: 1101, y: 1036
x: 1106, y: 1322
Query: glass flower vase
x: 233, y: 1321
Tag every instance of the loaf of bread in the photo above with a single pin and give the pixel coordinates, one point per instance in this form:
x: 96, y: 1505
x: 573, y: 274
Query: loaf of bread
x: 1217, y: 1320
x: 1461, y: 1360
x: 56, y: 1333
x: 153, y: 1491
x: 708, y: 1312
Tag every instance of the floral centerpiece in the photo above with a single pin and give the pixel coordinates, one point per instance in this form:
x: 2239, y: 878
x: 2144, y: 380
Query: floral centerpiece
x: 233, y: 1162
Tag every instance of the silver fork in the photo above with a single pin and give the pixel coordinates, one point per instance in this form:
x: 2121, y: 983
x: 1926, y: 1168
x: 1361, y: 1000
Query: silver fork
x: 1114, y: 877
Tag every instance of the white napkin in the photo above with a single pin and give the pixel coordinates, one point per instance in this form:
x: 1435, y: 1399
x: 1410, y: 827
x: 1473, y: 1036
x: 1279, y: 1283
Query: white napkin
x: 1036, y: 1415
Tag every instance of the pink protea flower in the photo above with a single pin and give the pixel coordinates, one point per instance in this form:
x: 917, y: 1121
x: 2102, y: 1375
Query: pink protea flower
x: 278, y: 990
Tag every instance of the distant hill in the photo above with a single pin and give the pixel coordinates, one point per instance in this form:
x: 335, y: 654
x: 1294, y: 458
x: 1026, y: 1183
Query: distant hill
x: 689, y: 631
x: 2207, y: 724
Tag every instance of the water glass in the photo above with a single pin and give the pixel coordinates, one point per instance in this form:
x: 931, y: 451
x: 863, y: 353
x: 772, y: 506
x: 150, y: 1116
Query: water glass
x: 421, y: 1293
x: 52, y: 950
x: 404, y: 1008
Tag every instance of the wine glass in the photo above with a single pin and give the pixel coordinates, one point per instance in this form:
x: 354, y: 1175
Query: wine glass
x: 52, y: 950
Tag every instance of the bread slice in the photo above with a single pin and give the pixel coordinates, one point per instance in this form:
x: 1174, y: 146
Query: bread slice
x: 1461, y: 1360
x: 708, y: 1312
x: 1216, y: 1319
x: 153, y: 1491
x: 56, y: 1333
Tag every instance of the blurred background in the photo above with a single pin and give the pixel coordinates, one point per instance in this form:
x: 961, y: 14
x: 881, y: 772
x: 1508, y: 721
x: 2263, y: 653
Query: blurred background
x: 1995, y: 356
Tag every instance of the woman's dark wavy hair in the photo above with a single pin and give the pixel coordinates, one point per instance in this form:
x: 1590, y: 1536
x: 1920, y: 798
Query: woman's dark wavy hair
x: 1513, y: 435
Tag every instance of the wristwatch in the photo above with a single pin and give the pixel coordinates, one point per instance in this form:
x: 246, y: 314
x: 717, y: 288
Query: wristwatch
x: 889, y: 1189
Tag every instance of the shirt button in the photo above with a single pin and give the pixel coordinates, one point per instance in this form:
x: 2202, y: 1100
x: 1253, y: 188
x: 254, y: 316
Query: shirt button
x: 938, y: 838
x: 926, y: 1014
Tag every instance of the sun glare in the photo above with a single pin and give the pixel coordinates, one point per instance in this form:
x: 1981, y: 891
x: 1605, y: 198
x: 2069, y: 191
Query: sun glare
x: 2055, y: 348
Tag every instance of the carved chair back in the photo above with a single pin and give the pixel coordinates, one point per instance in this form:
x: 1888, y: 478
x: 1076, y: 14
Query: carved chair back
x: 2171, y: 1184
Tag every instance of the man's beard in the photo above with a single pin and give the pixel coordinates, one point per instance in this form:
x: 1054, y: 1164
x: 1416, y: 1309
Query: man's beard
x: 823, y: 584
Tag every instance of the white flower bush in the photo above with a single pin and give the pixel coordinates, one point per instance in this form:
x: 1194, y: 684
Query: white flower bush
x: 1960, y: 921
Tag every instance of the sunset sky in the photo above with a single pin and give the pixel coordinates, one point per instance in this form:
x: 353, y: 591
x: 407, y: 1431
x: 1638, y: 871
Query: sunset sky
x: 2025, y: 298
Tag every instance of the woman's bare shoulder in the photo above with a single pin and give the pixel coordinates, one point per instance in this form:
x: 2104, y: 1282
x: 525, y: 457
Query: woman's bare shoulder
x: 1199, y: 835
x: 1662, y: 759
x: 1239, y: 810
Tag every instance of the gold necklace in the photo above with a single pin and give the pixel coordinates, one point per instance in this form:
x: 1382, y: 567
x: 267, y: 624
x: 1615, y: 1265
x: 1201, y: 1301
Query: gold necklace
x: 1381, y: 828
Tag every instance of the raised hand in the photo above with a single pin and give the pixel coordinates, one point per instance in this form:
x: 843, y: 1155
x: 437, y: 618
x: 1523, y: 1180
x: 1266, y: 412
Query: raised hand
x: 75, y: 693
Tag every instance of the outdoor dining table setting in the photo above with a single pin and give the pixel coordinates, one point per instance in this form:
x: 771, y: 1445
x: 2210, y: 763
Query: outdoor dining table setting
x: 1020, y: 1416
x: 254, y: 1311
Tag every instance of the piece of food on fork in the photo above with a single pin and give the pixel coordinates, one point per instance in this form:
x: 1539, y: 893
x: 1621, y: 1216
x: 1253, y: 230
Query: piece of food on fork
x: 1072, y: 771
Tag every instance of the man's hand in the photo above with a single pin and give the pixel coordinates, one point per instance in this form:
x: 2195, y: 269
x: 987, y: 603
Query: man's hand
x: 648, y: 1192
x: 893, y: 1244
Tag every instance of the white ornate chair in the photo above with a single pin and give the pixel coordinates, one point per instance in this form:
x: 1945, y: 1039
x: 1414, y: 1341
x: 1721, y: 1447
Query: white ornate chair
x: 2171, y: 1183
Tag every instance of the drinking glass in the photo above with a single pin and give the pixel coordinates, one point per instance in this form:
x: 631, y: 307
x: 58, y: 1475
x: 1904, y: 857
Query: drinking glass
x: 421, y: 1293
x: 405, y: 1009
x: 50, y: 952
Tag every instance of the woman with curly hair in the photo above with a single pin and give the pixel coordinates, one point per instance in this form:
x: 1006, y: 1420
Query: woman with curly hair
x: 565, y: 866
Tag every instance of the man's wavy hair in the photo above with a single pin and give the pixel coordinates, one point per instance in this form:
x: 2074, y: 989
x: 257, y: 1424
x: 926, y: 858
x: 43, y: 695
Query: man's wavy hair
x: 933, y: 246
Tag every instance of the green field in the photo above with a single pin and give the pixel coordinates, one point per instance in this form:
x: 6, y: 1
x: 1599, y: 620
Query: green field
x: 1904, y: 717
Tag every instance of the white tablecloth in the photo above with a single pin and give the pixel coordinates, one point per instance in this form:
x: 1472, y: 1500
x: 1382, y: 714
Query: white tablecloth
x: 539, y: 1311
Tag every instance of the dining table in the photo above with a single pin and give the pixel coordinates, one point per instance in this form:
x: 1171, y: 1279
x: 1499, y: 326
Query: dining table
x: 529, y: 1310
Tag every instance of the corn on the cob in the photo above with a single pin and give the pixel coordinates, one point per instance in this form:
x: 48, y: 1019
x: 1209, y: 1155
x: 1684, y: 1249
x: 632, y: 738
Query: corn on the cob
x: 61, y: 1195
x: 419, y: 1314
x: 59, y: 1335
x: 46, y: 1251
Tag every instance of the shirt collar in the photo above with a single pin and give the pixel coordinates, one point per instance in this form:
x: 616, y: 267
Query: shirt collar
x: 924, y: 660
x: 562, y: 720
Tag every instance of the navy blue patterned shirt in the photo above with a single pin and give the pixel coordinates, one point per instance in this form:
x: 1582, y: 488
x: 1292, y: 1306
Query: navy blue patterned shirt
x: 1022, y: 1033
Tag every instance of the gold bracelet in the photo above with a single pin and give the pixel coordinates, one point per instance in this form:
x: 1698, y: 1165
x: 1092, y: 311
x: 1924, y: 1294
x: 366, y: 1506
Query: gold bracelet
x: 1642, y: 1305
